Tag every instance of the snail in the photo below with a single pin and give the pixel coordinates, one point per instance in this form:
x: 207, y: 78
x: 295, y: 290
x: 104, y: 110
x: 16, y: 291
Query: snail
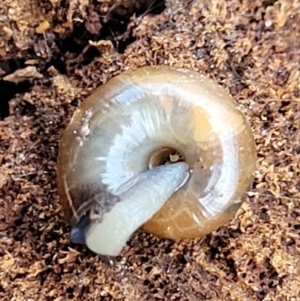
x: 161, y: 148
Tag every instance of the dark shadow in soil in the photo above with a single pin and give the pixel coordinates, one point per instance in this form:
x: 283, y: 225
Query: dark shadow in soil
x: 8, y: 91
x: 114, y: 27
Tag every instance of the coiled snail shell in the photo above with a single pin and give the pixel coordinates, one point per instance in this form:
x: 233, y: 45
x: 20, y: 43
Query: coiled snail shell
x: 159, y: 147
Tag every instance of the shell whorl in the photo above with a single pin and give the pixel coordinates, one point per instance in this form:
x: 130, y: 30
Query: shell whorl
x: 106, y: 150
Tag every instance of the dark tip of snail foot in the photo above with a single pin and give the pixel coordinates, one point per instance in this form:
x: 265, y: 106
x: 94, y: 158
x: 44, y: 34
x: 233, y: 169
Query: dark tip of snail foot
x: 78, y: 232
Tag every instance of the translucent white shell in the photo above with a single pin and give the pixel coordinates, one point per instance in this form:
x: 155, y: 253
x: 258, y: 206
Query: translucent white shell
x: 106, y: 149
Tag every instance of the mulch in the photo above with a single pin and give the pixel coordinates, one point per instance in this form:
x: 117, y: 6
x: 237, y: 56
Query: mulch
x: 54, y: 53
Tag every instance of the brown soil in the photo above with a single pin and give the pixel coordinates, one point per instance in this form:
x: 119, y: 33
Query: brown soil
x: 54, y: 53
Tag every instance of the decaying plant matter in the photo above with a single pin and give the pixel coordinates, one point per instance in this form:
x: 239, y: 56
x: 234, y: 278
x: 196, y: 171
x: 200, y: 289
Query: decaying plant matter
x: 249, y: 47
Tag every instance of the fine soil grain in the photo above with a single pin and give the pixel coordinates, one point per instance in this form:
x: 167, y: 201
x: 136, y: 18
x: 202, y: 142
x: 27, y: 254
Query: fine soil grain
x: 54, y: 53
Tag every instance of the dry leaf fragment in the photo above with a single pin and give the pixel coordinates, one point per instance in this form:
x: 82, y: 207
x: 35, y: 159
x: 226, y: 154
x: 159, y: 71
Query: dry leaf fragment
x: 21, y: 75
x: 43, y: 26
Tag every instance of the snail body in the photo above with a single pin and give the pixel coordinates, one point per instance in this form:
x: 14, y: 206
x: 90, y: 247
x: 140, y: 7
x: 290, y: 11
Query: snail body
x: 158, y: 147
